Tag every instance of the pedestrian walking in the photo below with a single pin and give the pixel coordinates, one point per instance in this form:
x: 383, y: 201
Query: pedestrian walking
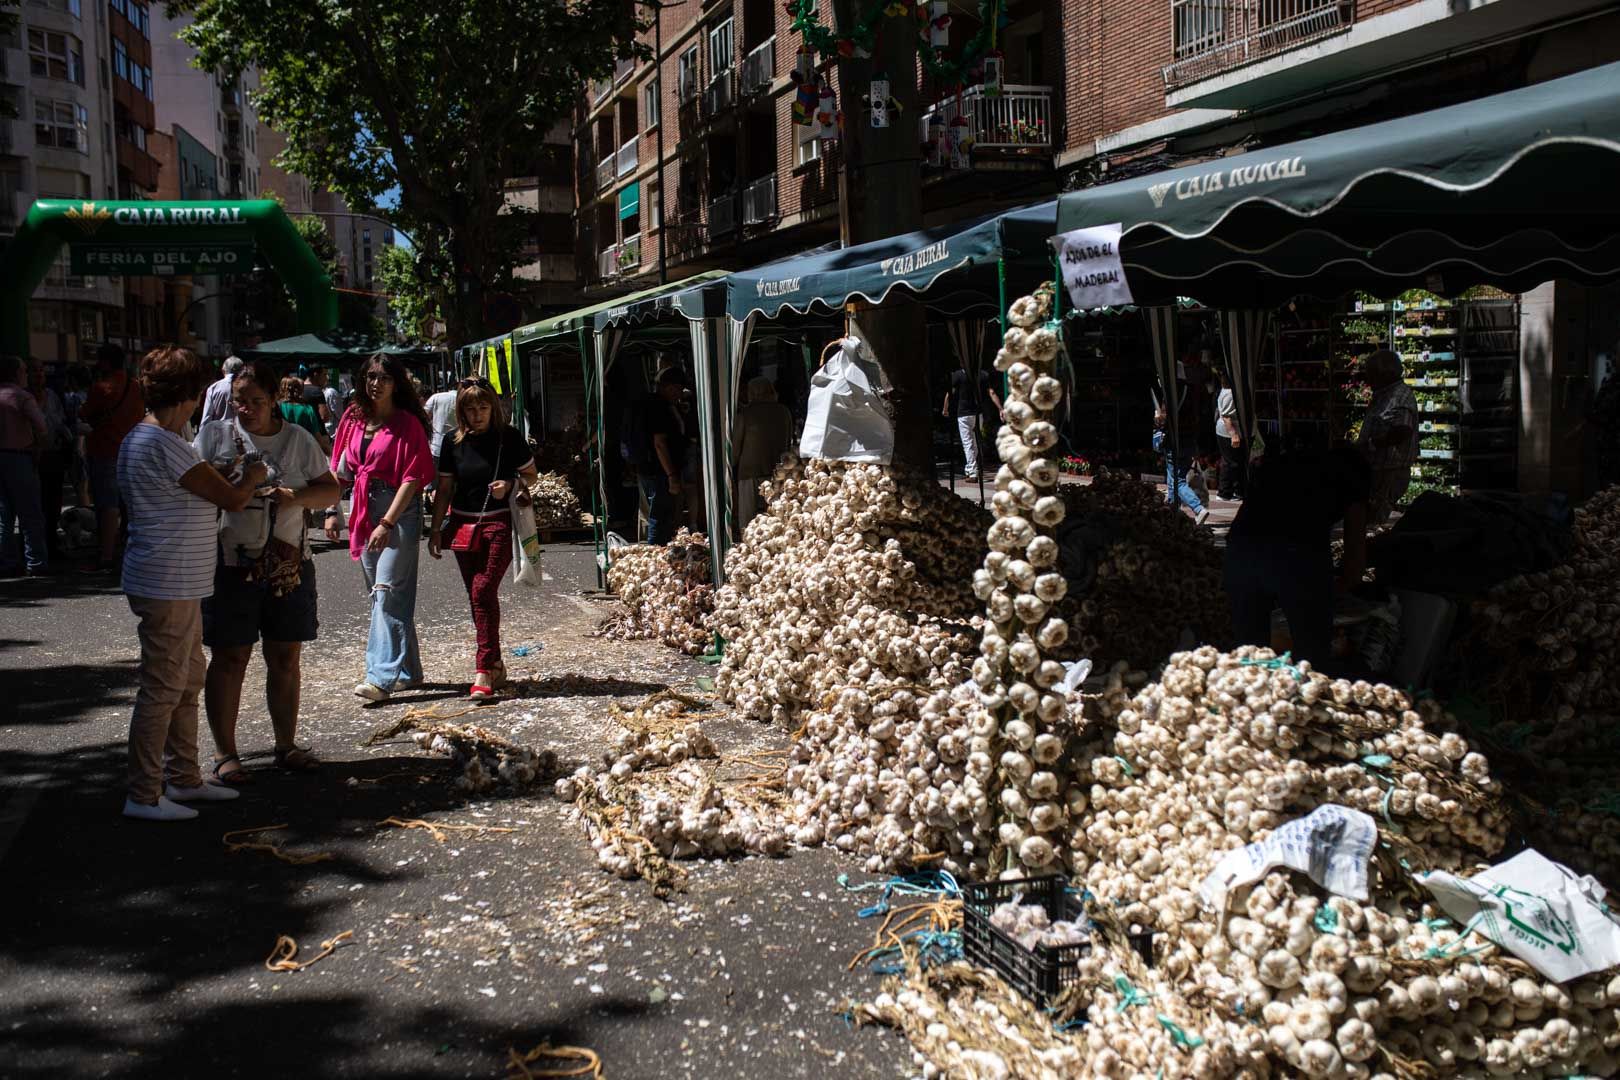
x: 173, y: 497
x: 1388, y: 438
x: 970, y: 400
x: 54, y: 455
x: 331, y: 400
x: 217, y: 402
x: 1229, y: 437
x: 382, y: 442
x: 478, y: 465
x: 441, y: 410
x: 295, y: 410
x: 23, y: 437
x: 115, y: 405
x: 264, y: 579
x: 764, y: 431
x: 78, y: 392
x: 1176, y: 467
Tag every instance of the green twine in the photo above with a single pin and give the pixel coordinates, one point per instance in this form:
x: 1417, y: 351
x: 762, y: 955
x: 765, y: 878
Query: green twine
x: 1125, y: 765
x: 1327, y: 919
x: 1377, y: 761
x: 1178, y: 1035
x: 1129, y: 995
x: 1277, y: 663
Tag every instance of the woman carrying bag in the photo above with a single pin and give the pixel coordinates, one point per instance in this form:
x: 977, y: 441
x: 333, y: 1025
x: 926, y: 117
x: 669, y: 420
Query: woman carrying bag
x: 472, y: 516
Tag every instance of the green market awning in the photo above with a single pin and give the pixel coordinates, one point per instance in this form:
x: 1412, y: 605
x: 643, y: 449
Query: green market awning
x: 570, y: 322
x: 1512, y: 190
x: 336, y: 346
x: 630, y: 200
x: 825, y: 279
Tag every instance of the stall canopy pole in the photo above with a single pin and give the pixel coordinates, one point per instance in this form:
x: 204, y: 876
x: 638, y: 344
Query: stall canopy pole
x: 594, y: 415
x: 705, y: 366
x: 1244, y: 331
x: 738, y: 334
x: 608, y: 343
x: 1162, y: 331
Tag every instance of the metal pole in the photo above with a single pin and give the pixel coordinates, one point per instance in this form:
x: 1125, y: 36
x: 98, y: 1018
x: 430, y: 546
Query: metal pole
x: 658, y: 63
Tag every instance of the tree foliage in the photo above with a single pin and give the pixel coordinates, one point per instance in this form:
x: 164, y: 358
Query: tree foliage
x: 442, y: 100
x: 412, y: 293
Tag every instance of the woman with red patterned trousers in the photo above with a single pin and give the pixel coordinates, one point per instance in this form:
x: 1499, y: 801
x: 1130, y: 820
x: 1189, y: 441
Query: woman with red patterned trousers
x: 478, y: 465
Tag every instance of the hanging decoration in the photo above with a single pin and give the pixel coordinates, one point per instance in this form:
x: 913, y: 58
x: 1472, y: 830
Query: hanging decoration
x: 931, y: 19
x: 828, y: 119
x: 808, y: 82
x: 880, y: 103
x: 939, y: 24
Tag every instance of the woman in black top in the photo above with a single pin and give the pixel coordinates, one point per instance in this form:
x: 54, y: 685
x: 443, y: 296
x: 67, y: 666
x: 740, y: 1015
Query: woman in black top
x: 477, y: 469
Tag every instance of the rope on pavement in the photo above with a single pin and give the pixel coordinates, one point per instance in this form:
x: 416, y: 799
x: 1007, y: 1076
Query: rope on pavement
x: 281, y: 957
x: 272, y: 849
x: 437, y: 828
x: 589, y: 1063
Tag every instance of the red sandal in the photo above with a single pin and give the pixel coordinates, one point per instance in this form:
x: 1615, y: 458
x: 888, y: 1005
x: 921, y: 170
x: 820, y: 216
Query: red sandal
x: 482, y: 686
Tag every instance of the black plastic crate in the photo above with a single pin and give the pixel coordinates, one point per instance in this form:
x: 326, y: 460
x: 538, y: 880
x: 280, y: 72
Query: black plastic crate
x: 1041, y: 973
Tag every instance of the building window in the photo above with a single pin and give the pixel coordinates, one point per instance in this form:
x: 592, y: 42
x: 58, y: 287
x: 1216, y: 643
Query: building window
x: 652, y: 93
x: 120, y: 59
x: 809, y: 147
x: 720, y: 48
x: 56, y: 56
x: 689, y: 74
x: 141, y: 17
x: 148, y: 73
x: 119, y: 6
x: 135, y: 78
x: 62, y: 124
x: 651, y: 209
x: 131, y: 132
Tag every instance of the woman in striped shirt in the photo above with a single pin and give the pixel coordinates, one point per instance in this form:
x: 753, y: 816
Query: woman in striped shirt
x: 173, y: 498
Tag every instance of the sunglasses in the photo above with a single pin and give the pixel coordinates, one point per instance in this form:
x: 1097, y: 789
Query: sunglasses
x: 474, y: 380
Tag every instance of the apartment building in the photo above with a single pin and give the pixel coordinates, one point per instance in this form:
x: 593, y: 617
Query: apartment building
x: 294, y: 190
x: 692, y: 161
x: 1156, y: 83
x: 547, y: 274
x: 214, y: 106
x: 360, y: 239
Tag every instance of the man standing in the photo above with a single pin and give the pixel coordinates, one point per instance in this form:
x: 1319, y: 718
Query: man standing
x: 1388, y: 437
x: 114, y: 406
x: 22, y: 437
x: 1229, y: 438
x: 441, y: 410
x: 318, y: 392
x: 662, y: 454
x: 967, y: 400
x: 217, y: 402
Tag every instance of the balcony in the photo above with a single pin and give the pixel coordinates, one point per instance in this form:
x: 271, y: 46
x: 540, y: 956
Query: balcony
x: 722, y: 217
x: 1213, y: 36
x: 230, y: 100
x: 619, y: 260
x: 720, y: 94
x: 1017, y: 119
x: 623, y: 70
x: 626, y: 159
x: 600, y: 91
x: 759, y: 201
x: 606, y: 172
x: 759, y: 68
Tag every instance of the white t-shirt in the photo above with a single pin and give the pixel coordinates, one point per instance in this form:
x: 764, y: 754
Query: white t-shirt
x: 441, y: 409
x: 1225, y: 406
x: 294, y: 460
x: 170, y: 555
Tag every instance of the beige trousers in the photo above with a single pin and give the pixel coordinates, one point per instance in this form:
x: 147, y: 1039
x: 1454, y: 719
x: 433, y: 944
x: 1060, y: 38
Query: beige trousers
x: 163, y: 729
x: 1388, y: 485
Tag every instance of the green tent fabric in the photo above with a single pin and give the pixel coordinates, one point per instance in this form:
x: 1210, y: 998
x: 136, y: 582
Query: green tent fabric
x: 570, y: 322
x: 336, y: 346
x: 1512, y: 189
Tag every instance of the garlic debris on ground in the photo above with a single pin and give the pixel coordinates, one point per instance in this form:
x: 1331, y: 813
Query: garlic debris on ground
x: 665, y: 592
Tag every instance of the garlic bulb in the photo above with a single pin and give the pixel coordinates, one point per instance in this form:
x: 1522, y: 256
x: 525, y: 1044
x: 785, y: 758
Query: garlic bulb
x: 664, y: 592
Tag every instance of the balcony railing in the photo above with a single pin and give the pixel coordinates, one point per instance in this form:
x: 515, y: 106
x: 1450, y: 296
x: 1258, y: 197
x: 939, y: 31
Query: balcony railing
x: 722, y: 216
x: 1018, y: 118
x: 620, y: 259
x: 759, y: 68
x: 627, y: 158
x: 720, y: 94
x: 1212, y: 36
x: 623, y: 70
x: 759, y: 201
x: 600, y: 91
x: 606, y: 172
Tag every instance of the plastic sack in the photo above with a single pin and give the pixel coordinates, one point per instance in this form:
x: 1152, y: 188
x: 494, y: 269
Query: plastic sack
x: 847, y: 420
x: 525, y: 542
x: 1331, y: 844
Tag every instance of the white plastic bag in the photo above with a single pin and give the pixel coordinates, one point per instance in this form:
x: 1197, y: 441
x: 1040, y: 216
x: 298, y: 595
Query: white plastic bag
x: 525, y: 542
x: 1331, y: 844
x: 847, y: 420
x: 1538, y: 910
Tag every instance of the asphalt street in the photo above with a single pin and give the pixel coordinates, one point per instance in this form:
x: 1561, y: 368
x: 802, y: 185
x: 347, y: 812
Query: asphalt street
x: 132, y: 949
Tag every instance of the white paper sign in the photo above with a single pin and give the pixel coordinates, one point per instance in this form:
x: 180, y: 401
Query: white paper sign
x: 1332, y: 844
x: 880, y: 103
x: 1538, y: 910
x: 1092, y: 269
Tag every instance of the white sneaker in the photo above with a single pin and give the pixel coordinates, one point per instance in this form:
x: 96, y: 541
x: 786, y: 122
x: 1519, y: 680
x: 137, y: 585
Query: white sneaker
x: 1203, y: 516
x: 203, y: 793
x: 372, y: 692
x: 408, y: 684
x: 164, y: 810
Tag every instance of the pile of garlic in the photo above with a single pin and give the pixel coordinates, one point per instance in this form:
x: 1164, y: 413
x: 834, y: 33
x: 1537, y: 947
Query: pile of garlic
x: 1142, y: 577
x: 665, y: 592
x: 484, y: 760
x: 1031, y: 925
x: 556, y: 506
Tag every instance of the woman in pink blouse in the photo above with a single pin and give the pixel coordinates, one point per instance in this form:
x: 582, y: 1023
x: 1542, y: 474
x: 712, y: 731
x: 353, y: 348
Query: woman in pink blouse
x: 382, y: 442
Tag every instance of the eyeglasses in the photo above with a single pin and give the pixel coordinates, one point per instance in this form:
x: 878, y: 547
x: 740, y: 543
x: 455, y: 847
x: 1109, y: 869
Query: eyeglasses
x: 378, y: 376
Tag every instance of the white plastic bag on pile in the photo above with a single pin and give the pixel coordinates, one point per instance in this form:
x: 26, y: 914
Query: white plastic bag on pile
x: 1538, y: 910
x: 1331, y: 844
x: 847, y: 420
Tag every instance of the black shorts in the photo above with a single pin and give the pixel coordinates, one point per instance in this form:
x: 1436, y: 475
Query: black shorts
x: 241, y: 611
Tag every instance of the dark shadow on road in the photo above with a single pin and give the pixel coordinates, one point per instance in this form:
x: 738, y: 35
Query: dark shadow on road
x: 57, y: 694
x: 583, y: 686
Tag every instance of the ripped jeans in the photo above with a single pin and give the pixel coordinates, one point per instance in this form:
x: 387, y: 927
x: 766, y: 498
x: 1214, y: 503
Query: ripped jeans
x: 392, y: 653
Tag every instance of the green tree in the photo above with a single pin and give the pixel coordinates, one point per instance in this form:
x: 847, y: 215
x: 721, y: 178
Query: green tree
x: 413, y: 291
x: 443, y: 101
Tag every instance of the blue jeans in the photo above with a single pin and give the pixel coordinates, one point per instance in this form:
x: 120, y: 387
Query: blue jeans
x: 20, y: 502
x: 1175, y: 475
x: 392, y: 653
x: 660, y: 508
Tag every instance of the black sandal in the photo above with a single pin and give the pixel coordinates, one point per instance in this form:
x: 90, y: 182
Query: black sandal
x: 237, y: 777
x: 297, y: 759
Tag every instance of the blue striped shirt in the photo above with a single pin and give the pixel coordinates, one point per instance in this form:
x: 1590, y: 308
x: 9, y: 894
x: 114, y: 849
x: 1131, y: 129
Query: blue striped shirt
x: 172, y: 533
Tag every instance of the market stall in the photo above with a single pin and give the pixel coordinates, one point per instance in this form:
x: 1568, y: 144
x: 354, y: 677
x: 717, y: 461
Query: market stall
x: 344, y: 349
